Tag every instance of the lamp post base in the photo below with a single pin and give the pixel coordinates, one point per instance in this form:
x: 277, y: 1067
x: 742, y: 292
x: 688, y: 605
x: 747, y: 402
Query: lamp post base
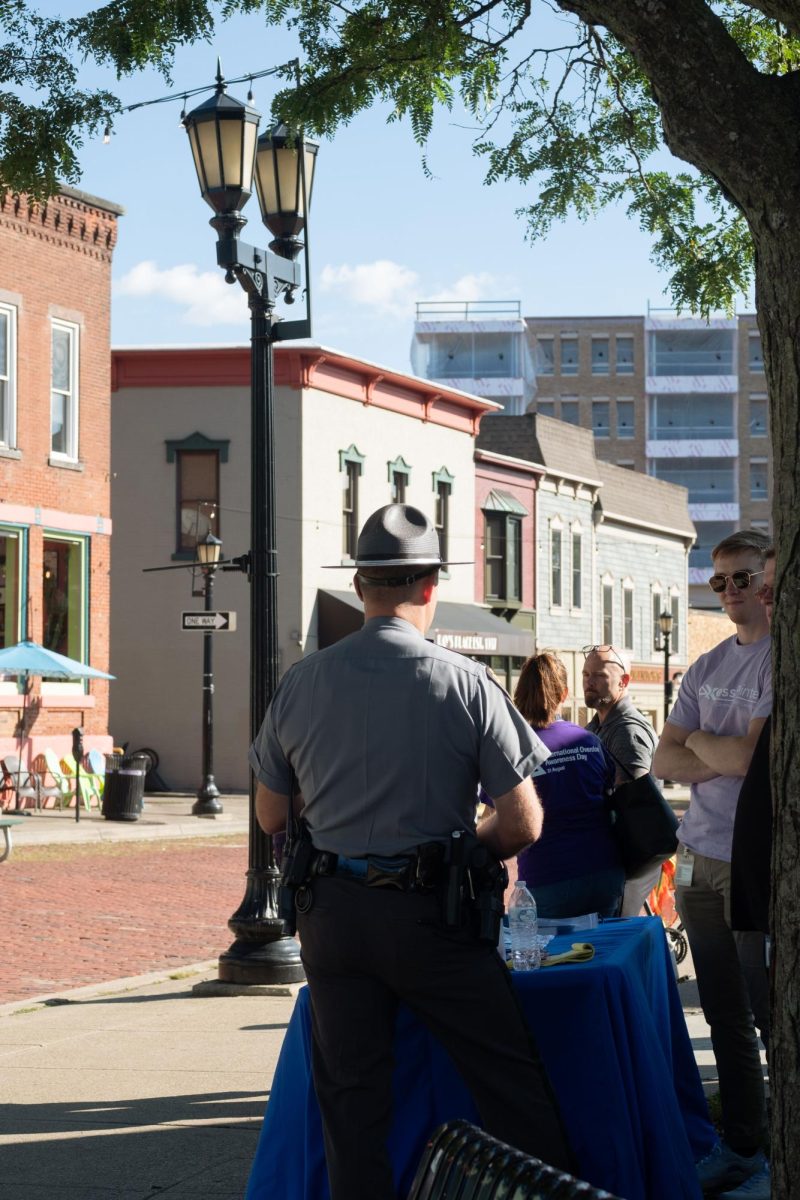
x: 248, y: 962
x: 207, y: 803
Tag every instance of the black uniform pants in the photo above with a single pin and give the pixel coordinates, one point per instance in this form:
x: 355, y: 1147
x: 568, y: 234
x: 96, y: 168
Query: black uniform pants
x: 365, y: 949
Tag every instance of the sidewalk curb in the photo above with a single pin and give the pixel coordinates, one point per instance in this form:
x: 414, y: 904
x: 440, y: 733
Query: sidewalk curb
x: 111, y: 987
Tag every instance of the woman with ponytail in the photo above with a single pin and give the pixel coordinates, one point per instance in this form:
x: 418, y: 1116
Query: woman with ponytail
x: 575, y: 867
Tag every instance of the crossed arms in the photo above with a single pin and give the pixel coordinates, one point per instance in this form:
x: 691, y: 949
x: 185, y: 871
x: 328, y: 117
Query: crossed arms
x: 695, y: 756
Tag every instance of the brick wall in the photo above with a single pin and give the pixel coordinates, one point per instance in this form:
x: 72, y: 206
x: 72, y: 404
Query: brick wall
x: 55, y: 263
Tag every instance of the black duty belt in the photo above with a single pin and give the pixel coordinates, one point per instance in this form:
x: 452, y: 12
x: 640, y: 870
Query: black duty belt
x: 417, y: 872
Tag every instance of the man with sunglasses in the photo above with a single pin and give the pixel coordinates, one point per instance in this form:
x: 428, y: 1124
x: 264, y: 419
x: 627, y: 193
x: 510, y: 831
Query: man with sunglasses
x: 708, y: 742
x: 627, y: 735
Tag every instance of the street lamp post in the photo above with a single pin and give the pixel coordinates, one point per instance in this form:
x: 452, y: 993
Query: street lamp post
x: 208, y: 803
x: 665, y: 621
x: 222, y: 132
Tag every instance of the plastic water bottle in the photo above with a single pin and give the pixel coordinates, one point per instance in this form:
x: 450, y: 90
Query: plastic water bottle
x: 523, y: 925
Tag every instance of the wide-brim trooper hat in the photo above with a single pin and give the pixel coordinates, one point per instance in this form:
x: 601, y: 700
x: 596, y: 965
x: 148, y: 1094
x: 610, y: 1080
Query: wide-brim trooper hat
x: 399, y: 535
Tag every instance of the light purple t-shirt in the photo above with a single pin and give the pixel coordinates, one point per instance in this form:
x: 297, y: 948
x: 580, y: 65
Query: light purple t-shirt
x: 721, y: 693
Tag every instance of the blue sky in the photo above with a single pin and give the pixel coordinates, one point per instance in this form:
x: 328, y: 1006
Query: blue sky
x: 382, y: 234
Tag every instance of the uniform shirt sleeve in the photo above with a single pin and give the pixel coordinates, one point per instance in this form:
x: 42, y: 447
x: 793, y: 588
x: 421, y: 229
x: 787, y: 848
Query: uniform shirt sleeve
x: 510, y: 751
x: 686, y: 712
x: 270, y: 765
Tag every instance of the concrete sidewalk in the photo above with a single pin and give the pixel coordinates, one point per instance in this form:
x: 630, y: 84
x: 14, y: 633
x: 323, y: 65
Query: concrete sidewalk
x: 143, y: 1087
x: 165, y: 815
x: 134, y: 1090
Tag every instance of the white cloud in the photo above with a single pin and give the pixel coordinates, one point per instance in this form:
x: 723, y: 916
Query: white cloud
x: 204, y: 295
x: 390, y: 289
x: 480, y: 286
x: 385, y: 286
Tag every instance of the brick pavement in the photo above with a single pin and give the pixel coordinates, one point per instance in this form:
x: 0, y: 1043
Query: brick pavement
x: 75, y: 915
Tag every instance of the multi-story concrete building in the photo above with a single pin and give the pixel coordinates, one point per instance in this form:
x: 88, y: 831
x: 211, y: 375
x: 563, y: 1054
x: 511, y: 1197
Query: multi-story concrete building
x: 681, y: 399
x: 55, y: 503
x: 351, y: 437
x: 482, y: 347
x: 612, y: 550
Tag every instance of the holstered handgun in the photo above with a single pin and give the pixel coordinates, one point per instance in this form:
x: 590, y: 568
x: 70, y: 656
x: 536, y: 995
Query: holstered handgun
x: 455, y: 880
x: 296, y: 867
x: 489, y: 881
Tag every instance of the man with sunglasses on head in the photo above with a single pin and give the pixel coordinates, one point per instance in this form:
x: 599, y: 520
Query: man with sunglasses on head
x: 626, y: 734
x: 708, y: 742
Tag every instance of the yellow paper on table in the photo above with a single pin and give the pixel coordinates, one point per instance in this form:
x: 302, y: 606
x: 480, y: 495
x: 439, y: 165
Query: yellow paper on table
x: 580, y: 952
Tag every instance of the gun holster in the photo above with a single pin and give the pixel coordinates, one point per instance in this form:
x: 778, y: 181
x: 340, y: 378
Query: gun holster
x: 475, y: 883
x: 295, y: 874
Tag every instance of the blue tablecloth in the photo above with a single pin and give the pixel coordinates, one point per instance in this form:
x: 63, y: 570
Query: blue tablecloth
x: 613, y: 1037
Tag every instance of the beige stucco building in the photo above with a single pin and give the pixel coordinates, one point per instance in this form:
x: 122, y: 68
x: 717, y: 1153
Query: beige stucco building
x: 350, y: 436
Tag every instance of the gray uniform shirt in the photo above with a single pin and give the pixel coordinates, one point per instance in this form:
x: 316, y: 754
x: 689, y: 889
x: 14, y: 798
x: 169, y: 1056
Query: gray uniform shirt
x: 629, y: 737
x: 389, y: 737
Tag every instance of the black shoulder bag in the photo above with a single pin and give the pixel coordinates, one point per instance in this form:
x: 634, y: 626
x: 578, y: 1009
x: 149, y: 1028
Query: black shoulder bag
x: 644, y: 825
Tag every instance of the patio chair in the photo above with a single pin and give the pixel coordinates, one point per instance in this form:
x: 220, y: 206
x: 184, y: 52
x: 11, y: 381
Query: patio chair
x: 18, y: 784
x: 63, y: 780
x: 87, y: 783
x: 96, y: 767
x: 48, y: 791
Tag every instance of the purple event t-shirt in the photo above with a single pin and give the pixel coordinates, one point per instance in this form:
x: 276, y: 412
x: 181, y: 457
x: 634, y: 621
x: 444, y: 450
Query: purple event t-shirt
x: 576, y: 835
x: 721, y: 693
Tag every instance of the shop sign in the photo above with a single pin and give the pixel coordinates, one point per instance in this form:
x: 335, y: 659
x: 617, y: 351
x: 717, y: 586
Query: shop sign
x: 469, y: 643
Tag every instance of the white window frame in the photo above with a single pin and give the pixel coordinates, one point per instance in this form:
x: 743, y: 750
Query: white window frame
x: 576, y: 531
x: 628, y: 597
x: 657, y: 640
x: 557, y: 526
x: 606, y: 588
x: 675, y: 609
x: 72, y: 422
x: 8, y: 434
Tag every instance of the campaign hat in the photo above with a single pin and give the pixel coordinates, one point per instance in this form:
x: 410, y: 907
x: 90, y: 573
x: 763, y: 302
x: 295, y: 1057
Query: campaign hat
x: 399, y: 535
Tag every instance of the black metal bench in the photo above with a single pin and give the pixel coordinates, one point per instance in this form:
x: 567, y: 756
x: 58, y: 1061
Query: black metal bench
x: 462, y: 1162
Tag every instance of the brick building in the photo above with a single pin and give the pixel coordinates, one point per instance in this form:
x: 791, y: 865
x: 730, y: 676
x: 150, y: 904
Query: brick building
x: 55, y: 281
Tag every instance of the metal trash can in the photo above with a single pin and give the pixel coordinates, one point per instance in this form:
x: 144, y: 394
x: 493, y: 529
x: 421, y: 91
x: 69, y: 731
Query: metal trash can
x: 123, y: 791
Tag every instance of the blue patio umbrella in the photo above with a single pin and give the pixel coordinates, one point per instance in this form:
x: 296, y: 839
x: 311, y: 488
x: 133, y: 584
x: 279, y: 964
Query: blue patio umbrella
x: 27, y: 659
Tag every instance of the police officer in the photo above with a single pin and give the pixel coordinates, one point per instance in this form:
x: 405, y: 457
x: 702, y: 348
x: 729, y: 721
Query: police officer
x: 388, y: 737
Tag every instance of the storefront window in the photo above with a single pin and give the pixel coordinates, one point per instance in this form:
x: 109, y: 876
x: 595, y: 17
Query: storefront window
x: 9, y: 587
x: 63, y: 596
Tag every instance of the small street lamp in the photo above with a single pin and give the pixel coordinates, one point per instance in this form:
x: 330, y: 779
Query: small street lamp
x: 230, y: 160
x: 665, y: 621
x: 208, y: 803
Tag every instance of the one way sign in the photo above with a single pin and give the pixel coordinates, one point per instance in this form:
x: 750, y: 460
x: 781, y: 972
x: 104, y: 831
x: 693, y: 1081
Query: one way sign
x: 209, y: 622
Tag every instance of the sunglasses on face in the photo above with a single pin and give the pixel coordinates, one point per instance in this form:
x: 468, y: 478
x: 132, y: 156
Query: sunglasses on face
x: 587, y: 650
x: 739, y: 579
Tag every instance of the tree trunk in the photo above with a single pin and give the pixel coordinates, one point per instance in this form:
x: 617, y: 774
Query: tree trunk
x: 741, y: 126
x: 778, y: 303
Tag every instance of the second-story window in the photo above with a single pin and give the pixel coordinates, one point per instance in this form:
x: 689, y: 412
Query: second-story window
x: 607, y: 590
x: 758, y: 416
x: 675, y: 609
x: 544, y: 356
x: 625, y: 419
x: 8, y: 373
x: 569, y: 355
x: 442, y: 491
x: 502, y: 557
x: 399, y: 472
x: 556, y: 565
x: 624, y: 364
x: 577, y: 567
x: 198, y: 498
x: 351, y: 464
x: 64, y: 375
x: 627, y: 614
x: 601, y: 418
x: 600, y: 356
x: 755, y: 357
x: 658, y: 641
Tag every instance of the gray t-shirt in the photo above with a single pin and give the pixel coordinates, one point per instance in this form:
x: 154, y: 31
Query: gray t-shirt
x: 721, y: 693
x: 628, y: 736
x: 389, y: 737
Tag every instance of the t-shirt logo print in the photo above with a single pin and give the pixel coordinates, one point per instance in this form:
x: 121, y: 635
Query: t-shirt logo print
x: 725, y: 695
